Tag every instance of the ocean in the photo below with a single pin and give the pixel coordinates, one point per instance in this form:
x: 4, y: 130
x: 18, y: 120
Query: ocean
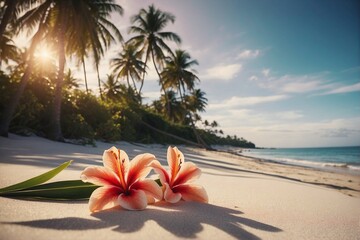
x: 326, y: 157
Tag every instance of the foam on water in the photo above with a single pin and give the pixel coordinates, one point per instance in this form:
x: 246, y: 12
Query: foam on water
x: 336, y: 157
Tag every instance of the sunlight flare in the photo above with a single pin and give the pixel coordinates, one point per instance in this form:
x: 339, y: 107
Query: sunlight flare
x: 44, y: 54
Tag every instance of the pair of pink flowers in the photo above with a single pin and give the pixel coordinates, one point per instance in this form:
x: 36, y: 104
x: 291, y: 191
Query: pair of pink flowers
x: 122, y: 182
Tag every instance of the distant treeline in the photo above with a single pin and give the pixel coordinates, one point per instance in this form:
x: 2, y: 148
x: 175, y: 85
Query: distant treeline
x: 86, y: 117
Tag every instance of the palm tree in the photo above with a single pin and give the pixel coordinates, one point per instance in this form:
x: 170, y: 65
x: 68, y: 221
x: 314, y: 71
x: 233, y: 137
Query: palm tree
x: 196, y: 101
x: 214, y: 124
x: 68, y: 24
x: 8, y: 51
x: 128, y: 64
x: 10, y: 11
x: 177, y: 111
x: 93, y: 35
x: 112, y: 87
x: 177, y: 74
x: 149, y: 24
x: 70, y: 82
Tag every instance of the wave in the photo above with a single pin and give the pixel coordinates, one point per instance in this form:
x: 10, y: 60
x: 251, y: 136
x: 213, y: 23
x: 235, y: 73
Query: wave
x: 306, y: 162
x: 355, y: 168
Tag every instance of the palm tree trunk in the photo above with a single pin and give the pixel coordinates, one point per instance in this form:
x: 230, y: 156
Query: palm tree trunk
x: 135, y: 88
x: 183, y: 102
x: 84, y: 68
x: 55, y: 132
x: 181, y: 94
x: 99, y: 81
x: 11, y: 107
x: 143, y: 78
x: 128, y: 81
x: 162, y: 85
x: 197, y: 135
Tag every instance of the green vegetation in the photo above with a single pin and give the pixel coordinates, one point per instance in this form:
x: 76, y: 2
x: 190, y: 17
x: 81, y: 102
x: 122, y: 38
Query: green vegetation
x: 43, y: 97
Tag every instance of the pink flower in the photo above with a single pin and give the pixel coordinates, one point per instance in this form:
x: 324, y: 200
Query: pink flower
x: 178, y: 181
x: 122, y: 182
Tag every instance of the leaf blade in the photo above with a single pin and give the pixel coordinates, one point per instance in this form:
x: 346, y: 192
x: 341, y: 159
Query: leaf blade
x: 35, y: 180
x: 58, y: 191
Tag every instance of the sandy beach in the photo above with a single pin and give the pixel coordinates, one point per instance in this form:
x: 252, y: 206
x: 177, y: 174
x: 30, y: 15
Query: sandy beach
x: 248, y: 198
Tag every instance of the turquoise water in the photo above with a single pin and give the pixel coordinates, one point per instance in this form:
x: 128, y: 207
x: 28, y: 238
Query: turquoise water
x: 331, y: 157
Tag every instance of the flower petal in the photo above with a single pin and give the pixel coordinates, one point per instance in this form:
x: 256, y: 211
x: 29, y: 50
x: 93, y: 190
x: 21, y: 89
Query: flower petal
x: 159, y: 169
x: 192, y: 192
x: 150, y: 187
x: 100, y: 176
x: 174, y: 159
x: 179, y: 154
x: 170, y: 196
x: 188, y: 172
x: 139, y: 167
x: 133, y: 200
x: 110, y: 157
x: 117, y: 160
x: 104, y: 198
x: 150, y: 199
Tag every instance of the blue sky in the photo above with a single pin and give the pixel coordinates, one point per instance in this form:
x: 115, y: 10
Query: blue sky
x: 279, y: 73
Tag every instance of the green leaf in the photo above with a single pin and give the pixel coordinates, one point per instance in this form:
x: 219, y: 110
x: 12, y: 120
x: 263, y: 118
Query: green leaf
x: 63, y: 190
x: 35, y: 180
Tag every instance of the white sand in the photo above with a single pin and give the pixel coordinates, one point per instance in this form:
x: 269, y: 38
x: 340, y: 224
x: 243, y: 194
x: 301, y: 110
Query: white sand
x: 243, y: 204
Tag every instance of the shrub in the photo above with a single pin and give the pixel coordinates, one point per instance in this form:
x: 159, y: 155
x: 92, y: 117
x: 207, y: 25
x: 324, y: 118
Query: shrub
x: 108, y: 131
x: 74, y: 126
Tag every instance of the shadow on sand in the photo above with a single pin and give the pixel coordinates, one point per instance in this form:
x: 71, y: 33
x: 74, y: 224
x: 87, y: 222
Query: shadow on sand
x: 183, y: 220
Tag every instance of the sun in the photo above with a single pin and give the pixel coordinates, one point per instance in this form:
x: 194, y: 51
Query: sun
x: 44, y: 53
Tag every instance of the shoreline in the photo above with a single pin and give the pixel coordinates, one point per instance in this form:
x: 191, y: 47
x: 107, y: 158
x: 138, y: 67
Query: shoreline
x: 338, y: 167
x: 326, y: 167
x: 344, y: 180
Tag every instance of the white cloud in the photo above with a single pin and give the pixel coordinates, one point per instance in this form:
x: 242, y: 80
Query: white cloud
x: 248, y: 54
x: 303, y: 86
x: 345, y: 89
x: 246, y: 101
x: 295, y: 83
x: 352, y: 70
x: 151, y: 74
x: 151, y: 95
x: 266, y: 72
x: 253, y: 78
x: 222, y: 72
x: 236, y: 101
x: 197, y: 53
x: 290, y: 115
x: 337, y: 133
x: 264, y: 131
